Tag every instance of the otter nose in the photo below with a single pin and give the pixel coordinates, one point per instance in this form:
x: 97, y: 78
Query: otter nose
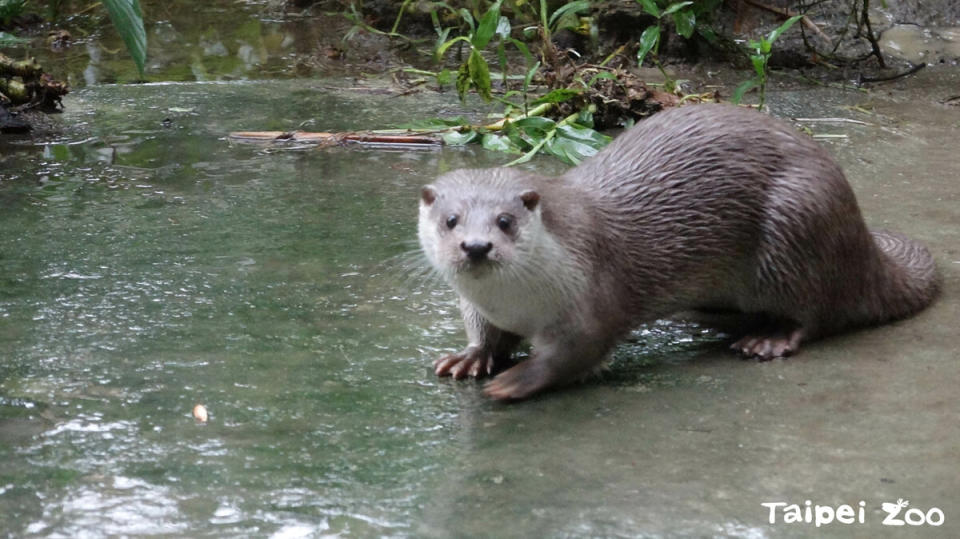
x: 476, y: 250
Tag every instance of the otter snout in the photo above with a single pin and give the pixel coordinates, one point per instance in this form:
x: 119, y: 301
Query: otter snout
x: 476, y: 250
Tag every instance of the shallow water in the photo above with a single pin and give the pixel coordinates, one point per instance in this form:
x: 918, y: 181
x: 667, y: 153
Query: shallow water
x: 149, y: 266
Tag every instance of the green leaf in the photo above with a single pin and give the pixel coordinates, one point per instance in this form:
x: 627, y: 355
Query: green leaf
x: 742, y: 89
x: 601, y: 75
x: 648, y: 39
x: 530, y: 131
x: 650, y: 7
x: 479, y: 73
x: 128, y: 21
x: 685, y: 21
x: 570, y: 8
x: 708, y: 34
x: 573, y: 143
x: 441, y: 41
x: 465, y: 15
x: 7, y: 40
x: 502, y: 60
x: 585, y: 135
x: 463, y: 81
x: 585, y: 118
x: 444, y: 77
x: 783, y: 28
x: 443, y: 48
x: 522, y: 47
x: 673, y: 8
x: 529, y: 76
x: 557, y: 96
x: 487, y: 27
x: 499, y: 143
x: 458, y: 138
x: 759, y: 64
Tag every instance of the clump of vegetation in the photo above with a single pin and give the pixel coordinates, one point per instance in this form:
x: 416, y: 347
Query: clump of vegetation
x: 760, y: 58
x: 684, y: 15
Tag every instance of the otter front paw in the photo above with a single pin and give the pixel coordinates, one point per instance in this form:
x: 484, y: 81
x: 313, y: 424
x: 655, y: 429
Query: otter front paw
x: 472, y: 361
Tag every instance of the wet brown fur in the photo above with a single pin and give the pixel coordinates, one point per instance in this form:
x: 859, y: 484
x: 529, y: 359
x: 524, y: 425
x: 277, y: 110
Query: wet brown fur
x: 702, y: 207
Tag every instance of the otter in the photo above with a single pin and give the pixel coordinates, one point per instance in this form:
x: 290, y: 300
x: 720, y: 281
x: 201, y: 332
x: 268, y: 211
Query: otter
x: 704, y: 207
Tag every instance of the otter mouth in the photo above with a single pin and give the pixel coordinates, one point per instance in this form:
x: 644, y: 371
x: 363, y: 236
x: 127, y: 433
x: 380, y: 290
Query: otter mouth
x: 476, y: 268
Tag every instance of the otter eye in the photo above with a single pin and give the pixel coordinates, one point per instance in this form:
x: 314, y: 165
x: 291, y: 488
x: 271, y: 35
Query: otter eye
x: 504, y: 222
x: 451, y: 221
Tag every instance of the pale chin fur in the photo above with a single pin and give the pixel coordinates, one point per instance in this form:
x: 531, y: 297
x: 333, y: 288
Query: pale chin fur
x: 529, y: 291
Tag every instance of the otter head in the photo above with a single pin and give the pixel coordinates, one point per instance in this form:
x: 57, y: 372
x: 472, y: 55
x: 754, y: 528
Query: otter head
x: 473, y: 222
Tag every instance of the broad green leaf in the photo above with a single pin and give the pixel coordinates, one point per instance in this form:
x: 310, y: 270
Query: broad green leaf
x: 585, y: 118
x: 570, y: 8
x: 742, y: 89
x: 650, y: 7
x: 557, y: 96
x: 479, y: 74
x: 783, y: 28
x: 534, y: 124
x: 648, y: 40
x: 685, y: 20
x: 585, y: 135
x: 573, y: 143
x: 487, y: 27
x: 128, y: 20
x: 708, y: 34
x: 499, y: 143
x: 458, y: 138
x: 673, y: 8
x: 528, y: 132
x: 10, y: 39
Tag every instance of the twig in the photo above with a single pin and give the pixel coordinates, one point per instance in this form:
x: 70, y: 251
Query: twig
x: 862, y: 80
x: 865, y: 14
x: 831, y: 120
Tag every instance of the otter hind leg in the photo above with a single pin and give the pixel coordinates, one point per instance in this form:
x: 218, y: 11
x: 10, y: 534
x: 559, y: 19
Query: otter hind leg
x: 775, y: 339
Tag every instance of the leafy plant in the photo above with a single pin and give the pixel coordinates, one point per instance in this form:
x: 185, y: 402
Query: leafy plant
x: 474, y: 72
x: 10, y: 9
x: 760, y: 57
x: 563, y: 17
x: 128, y: 21
x: 9, y: 40
x: 685, y: 17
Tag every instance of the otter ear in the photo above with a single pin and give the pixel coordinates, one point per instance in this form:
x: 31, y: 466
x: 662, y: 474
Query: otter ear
x: 428, y: 194
x: 530, y: 199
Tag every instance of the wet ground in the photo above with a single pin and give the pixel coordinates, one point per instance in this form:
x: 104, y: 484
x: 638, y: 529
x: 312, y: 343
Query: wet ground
x: 148, y: 265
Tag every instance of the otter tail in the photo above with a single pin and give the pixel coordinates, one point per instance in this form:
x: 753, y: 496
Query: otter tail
x: 909, y: 281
